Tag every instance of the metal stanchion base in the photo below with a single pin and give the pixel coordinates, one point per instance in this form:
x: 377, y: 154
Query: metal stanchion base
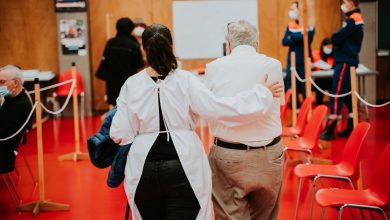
x: 75, y: 156
x: 42, y: 206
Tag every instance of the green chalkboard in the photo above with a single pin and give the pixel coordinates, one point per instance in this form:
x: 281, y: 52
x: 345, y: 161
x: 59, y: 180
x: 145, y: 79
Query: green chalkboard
x: 383, y: 25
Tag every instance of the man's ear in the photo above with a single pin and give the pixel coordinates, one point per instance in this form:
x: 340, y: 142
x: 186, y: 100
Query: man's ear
x: 228, y: 48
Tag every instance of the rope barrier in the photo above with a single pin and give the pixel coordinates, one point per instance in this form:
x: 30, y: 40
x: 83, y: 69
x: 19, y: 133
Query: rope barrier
x: 297, y: 76
x: 326, y: 93
x: 44, y: 107
x: 369, y: 104
x: 66, y: 100
x: 336, y: 96
x: 24, y: 124
x: 318, y: 88
x: 52, y: 86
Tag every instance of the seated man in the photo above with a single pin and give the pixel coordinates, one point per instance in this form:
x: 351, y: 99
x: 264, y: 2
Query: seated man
x: 15, y: 106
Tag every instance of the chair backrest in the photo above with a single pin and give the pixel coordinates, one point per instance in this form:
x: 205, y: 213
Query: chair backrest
x: 311, y: 134
x: 67, y: 75
x: 351, y: 153
x: 303, y: 113
x: 283, y: 108
x: 380, y: 181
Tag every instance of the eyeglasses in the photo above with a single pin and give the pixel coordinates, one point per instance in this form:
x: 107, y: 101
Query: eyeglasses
x: 228, y: 26
x: 3, y: 81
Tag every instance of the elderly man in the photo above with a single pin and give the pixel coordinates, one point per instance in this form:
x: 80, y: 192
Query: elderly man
x: 246, y: 161
x: 15, y: 106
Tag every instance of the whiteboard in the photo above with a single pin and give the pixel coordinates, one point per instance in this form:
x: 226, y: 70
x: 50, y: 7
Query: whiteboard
x: 200, y: 26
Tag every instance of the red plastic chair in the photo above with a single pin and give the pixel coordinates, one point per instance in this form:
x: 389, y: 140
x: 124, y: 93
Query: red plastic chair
x: 309, y: 140
x: 297, y: 130
x: 63, y: 90
x: 372, y: 198
x: 345, y: 170
x: 283, y: 108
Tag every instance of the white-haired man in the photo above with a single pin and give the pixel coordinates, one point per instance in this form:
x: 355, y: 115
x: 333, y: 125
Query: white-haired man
x: 15, y: 106
x: 246, y: 161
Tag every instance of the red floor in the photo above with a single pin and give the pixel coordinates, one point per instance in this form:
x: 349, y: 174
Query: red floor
x: 83, y: 186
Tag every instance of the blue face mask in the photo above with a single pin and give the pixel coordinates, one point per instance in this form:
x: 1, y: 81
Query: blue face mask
x: 4, y: 91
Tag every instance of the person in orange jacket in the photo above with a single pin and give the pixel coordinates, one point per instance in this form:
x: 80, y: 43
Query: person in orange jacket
x: 293, y: 38
x: 347, y: 42
x: 325, y: 54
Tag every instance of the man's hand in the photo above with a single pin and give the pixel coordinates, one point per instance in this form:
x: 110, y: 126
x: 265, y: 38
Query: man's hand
x: 275, y: 87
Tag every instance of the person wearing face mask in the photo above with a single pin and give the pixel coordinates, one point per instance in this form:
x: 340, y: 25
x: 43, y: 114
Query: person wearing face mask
x: 15, y: 106
x: 293, y: 38
x: 137, y: 32
x: 121, y: 59
x: 323, y: 55
x: 347, y: 43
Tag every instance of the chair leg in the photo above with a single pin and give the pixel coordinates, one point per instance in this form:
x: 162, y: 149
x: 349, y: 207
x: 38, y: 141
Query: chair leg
x: 350, y: 210
x: 298, y: 197
x: 18, y: 174
x: 127, y: 211
x: 323, y: 213
x: 28, y: 167
x: 312, y: 198
x: 372, y: 215
x: 383, y: 213
x: 10, y: 191
x: 340, y: 212
x: 14, y: 187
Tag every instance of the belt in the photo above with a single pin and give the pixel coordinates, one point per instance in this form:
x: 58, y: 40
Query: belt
x: 234, y: 146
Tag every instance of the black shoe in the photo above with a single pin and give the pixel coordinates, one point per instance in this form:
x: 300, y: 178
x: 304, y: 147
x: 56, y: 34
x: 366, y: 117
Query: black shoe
x: 348, y: 130
x: 328, y: 133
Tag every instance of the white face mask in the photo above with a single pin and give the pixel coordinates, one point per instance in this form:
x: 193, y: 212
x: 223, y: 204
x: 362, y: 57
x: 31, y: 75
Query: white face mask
x: 344, y: 8
x: 327, y: 50
x: 293, y: 15
x: 4, y: 91
x: 138, y: 31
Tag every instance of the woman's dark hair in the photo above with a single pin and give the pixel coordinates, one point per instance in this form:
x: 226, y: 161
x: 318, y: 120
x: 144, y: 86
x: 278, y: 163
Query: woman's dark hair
x: 124, y: 26
x: 157, y: 42
x: 325, y: 41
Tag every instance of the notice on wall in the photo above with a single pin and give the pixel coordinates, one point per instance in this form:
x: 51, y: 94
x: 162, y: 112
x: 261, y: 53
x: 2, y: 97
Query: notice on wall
x: 200, y: 26
x: 72, y: 36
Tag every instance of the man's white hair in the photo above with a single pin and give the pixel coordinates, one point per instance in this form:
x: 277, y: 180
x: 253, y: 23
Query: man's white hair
x: 14, y: 71
x: 242, y: 33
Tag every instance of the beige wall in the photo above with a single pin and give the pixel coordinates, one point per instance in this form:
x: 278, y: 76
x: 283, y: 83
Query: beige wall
x: 28, y: 30
x: 28, y: 34
x: 368, y: 52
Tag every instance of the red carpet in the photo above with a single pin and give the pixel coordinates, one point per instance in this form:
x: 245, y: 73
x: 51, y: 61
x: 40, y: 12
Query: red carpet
x: 84, y: 188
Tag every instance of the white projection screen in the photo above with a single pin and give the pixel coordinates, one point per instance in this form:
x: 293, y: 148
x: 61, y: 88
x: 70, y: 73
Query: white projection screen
x: 199, y: 26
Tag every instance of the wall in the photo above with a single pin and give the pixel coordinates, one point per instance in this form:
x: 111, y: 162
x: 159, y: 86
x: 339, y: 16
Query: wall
x: 28, y: 30
x: 272, y: 22
x: 28, y: 34
x: 368, y: 51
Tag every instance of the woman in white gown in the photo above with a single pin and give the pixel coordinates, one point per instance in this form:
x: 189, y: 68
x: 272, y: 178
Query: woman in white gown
x: 167, y: 175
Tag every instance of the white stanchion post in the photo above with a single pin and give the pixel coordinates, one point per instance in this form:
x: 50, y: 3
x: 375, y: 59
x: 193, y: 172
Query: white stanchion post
x: 355, y: 109
x: 355, y: 112
x: 77, y: 155
x: 293, y: 89
x: 41, y: 205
